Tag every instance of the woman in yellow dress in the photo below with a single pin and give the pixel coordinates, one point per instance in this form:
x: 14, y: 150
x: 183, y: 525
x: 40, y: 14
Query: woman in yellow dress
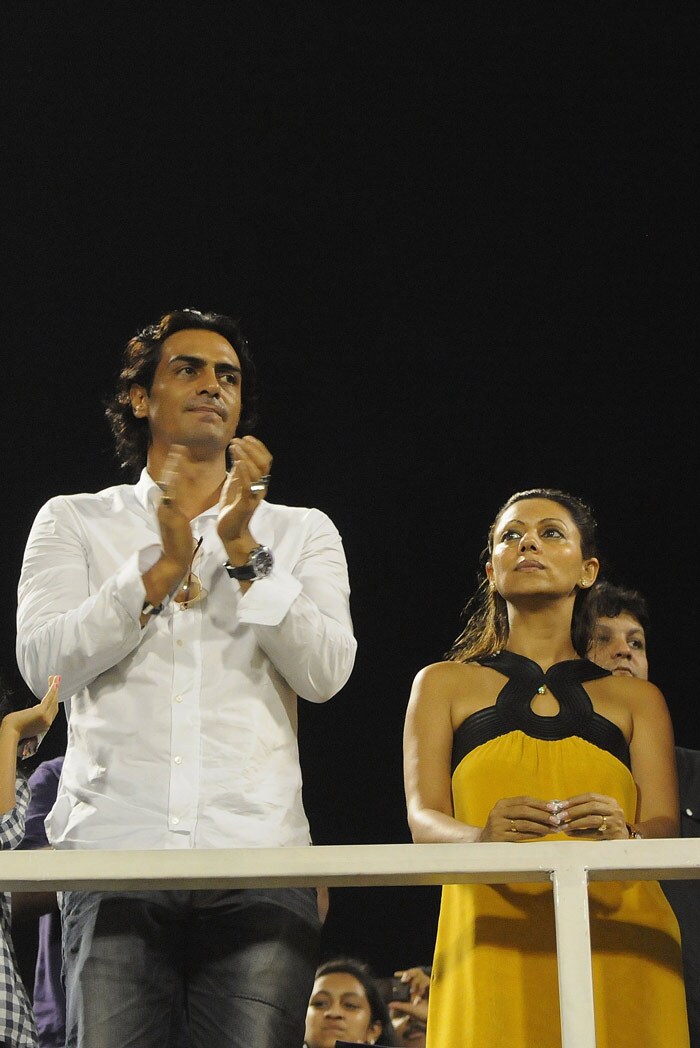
x: 516, y: 736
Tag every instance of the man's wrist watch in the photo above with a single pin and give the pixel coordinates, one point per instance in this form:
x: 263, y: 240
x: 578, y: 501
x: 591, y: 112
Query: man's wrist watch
x: 258, y: 565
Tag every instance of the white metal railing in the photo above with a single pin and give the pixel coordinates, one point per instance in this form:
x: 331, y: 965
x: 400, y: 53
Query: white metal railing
x: 570, y: 866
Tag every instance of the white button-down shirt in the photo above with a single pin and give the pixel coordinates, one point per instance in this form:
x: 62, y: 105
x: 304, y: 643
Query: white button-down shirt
x: 181, y: 734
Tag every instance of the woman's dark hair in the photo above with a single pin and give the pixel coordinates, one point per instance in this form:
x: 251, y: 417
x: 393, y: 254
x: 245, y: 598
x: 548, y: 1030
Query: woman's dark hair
x: 609, y: 601
x: 139, y: 362
x: 486, y: 613
x: 361, y: 971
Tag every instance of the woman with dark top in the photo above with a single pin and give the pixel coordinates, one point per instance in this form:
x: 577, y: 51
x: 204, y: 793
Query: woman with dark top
x: 516, y: 737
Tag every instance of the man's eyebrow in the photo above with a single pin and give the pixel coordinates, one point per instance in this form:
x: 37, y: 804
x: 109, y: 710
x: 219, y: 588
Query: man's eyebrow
x: 197, y: 362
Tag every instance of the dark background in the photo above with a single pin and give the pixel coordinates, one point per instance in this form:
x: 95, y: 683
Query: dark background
x: 463, y: 242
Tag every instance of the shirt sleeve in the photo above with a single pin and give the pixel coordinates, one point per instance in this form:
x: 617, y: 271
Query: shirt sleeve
x: 12, y: 822
x: 44, y: 786
x: 301, y: 618
x: 61, y: 627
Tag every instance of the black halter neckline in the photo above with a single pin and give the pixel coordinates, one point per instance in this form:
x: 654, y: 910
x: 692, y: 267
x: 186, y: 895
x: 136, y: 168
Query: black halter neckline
x: 512, y: 710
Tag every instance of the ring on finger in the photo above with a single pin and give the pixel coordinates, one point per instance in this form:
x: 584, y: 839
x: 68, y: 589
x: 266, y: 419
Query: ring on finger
x: 513, y: 827
x: 166, y: 498
x: 262, y: 484
x: 603, y: 821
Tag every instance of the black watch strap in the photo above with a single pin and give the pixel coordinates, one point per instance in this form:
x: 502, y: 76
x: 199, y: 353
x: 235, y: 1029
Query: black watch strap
x: 258, y: 565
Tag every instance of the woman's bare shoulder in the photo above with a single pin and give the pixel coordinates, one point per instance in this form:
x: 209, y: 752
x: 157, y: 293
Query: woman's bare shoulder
x: 628, y: 701
x: 632, y: 691
x: 439, y: 676
x: 463, y: 687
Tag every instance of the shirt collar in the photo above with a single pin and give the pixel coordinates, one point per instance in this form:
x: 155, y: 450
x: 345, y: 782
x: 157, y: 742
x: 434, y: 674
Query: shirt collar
x: 147, y: 491
x: 147, y: 494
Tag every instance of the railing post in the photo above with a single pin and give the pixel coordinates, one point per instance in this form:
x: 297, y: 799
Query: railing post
x: 574, y: 956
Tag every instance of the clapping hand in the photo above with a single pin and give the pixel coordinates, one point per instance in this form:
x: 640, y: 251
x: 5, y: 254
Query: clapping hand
x: 175, y: 530
x: 245, y: 487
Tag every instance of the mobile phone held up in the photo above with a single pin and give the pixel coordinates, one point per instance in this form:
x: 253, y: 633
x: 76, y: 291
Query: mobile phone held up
x: 394, y: 990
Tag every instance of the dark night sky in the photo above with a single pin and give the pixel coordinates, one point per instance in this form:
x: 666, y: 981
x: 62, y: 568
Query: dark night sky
x: 463, y: 242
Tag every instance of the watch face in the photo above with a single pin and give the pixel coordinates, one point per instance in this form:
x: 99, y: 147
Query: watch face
x: 261, y: 561
x: 258, y: 565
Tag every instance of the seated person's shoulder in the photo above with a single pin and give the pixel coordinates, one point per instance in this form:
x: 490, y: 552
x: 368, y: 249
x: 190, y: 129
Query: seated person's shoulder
x: 688, y: 757
x: 688, y: 765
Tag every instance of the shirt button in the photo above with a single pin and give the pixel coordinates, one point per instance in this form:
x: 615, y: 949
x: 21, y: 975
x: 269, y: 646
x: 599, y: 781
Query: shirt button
x: 178, y: 760
x: 178, y: 698
x: 174, y: 820
x: 179, y: 643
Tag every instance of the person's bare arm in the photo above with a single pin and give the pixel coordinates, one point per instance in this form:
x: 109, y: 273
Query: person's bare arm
x: 654, y: 764
x: 596, y: 816
x: 427, y: 754
x: 18, y: 725
x: 428, y: 735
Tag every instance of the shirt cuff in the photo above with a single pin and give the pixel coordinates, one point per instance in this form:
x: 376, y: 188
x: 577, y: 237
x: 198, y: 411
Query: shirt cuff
x: 129, y: 589
x: 268, y: 600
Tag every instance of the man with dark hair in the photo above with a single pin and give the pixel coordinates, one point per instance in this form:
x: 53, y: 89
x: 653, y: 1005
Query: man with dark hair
x: 186, y: 614
x: 141, y: 356
x: 620, y: 629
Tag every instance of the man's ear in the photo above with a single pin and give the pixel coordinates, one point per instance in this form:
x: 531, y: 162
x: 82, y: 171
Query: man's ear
x: 139, y: 401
